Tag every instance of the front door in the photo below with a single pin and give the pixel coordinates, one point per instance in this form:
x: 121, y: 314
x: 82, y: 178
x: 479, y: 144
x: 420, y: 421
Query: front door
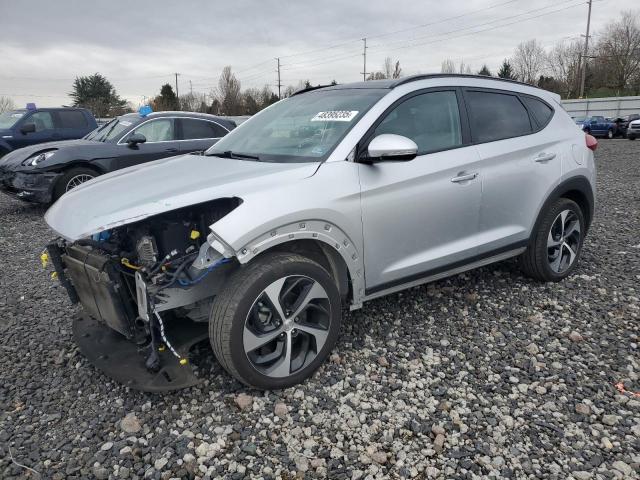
x: 161, y: 143
x: 45, y: 130
x: 421, y: 216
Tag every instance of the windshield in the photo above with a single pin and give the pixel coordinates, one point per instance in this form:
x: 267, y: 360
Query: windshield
x: 9, y: 119
x: 109, y: 131
x: 302, y: 128
x: 580, y: 119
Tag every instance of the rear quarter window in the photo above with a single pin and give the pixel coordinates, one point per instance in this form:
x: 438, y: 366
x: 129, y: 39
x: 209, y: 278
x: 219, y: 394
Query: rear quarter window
x: 496, y: 116
x: 540, y: 111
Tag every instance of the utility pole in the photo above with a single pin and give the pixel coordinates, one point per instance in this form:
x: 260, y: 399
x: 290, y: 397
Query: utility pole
x: 191, y: 87
x: 279, y: 83
x: 364, y: 55
x: 586, y: 52
x: 177, y: 94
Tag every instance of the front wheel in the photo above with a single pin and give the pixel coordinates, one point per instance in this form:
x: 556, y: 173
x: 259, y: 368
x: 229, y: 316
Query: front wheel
x: 631, y: 137
x: 609, y: 134
x: 555, y: 247
x: 71, y: 179
x: 276, y: 321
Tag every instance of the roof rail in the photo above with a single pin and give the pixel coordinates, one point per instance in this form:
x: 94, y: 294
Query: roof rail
x: 414, y: 78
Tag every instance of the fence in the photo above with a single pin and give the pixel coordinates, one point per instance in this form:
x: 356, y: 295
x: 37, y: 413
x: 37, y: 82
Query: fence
x: 607, y: 107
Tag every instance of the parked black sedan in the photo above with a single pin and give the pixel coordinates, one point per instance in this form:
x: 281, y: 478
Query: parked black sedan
x: 42, y: 173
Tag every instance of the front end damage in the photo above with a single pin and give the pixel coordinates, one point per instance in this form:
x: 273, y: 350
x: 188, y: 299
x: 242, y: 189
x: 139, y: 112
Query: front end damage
x: 146, y: 289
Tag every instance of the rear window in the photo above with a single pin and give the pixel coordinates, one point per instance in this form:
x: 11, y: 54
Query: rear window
x: 496, y: 116
x: 72, y: 119
x: 193, y: 129
x: 541, y: 112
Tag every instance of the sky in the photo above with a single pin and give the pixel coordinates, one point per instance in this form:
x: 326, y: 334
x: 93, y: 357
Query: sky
x: 139, y: 45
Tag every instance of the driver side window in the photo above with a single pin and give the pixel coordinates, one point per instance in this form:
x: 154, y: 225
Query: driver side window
x: 42, y: 121
x: 432, y: 120
x: 160, y: 130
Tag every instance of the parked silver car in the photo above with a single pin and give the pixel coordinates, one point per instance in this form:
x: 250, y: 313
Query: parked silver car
x: 332, y: 197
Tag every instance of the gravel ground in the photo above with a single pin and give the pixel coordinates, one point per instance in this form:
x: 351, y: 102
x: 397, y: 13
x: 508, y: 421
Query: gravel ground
x: 484, y: 375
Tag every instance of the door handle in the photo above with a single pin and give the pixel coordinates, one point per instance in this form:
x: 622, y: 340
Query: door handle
x: 464, y: 177
x: 171, y: 150
x: 544, y: 157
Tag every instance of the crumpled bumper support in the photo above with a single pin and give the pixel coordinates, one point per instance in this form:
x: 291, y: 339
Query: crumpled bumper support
x: 124, y: 361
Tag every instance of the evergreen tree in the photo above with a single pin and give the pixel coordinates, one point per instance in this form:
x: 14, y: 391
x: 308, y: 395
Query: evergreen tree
x: 167, y: 99
x: 97, y: 94
x: 506, y: 71
x: 485, y: 71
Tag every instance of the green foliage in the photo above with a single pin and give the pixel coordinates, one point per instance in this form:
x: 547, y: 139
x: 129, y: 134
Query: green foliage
x: 485, y: 71
x: 97, y: 94
x: 166, y: 101
x: 506, y: 71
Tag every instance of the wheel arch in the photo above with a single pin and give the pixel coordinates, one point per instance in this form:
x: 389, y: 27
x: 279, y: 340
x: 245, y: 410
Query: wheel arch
x: 321, y: 241
x: 577, y: 189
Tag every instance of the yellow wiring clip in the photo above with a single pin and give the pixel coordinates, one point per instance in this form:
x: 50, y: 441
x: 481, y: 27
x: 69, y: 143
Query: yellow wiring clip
x: 183, y: 361
x: 44, y: 258
x: 161, y: 348
x: 194, y: 234
x: 127, y: 263
x: 54, y: 275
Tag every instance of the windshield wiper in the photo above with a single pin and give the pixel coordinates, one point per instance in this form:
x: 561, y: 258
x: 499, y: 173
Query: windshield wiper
x: 230, y: 154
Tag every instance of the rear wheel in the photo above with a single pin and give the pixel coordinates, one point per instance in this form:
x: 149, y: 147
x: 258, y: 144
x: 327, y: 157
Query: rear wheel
x: 71, y: 179
x: 555, y: 248
x: 276, y: 321
x: 610, y: 134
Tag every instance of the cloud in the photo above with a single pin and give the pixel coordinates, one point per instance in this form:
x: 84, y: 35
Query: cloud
x: 138, y: 45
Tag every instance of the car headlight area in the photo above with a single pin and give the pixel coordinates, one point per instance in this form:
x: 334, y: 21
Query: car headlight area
x: 34, y: 160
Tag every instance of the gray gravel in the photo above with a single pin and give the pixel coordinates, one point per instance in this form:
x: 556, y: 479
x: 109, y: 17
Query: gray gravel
x: 484, y: 375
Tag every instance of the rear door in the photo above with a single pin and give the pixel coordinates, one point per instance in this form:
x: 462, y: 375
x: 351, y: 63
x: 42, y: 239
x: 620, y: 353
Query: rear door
x: 72, y: 124
x: 420, y: 216
x: 520, y: 163
x: 45, y: 129
x: 162, y: 142
x: 197, y: 134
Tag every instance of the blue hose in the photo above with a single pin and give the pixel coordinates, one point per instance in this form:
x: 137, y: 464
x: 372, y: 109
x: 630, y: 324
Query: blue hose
x: 186, y: 283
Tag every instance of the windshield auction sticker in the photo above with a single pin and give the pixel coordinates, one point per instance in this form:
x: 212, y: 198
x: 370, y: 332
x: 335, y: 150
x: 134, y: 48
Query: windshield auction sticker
x: 335, y: 116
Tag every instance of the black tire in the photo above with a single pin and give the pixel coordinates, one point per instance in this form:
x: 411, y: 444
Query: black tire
x: 631, y: 137
x: 535, y: 261
x: 232, y: 306
x: 61, y: 185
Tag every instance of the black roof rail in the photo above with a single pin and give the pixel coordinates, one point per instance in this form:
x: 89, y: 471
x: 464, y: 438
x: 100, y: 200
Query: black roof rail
x: 414, y: 78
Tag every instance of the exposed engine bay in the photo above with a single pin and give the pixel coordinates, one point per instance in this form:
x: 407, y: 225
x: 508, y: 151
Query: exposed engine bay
x: 134, y: 278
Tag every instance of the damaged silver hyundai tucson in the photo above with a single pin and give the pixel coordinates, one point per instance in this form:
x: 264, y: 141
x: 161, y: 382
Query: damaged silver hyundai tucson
x: 330, y: 198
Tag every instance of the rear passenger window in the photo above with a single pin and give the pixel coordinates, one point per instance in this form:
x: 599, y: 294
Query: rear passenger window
x: 194, y: 129
x: 432, y: 120
x: 72, y: 119
x: 495, y: 116
x: 541, y: 112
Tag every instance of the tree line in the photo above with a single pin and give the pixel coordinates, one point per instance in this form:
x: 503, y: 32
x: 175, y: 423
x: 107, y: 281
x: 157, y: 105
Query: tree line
x: 612, y: 64
x: 612, y: 68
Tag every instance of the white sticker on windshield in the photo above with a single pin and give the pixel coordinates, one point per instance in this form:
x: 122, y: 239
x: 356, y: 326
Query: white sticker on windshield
x: 335, y: 116
x: 125, y: 123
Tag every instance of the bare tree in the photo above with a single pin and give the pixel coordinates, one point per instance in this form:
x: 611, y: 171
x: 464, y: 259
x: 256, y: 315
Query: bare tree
x: 228, y: 93
x: 464, y: 68
x: 529, y: 61
x: 389, y: 70
x: 563, y: 62
x: 619, y: 50
x: 192, y: 102
x: 6, y: 104
x: 448, y: 66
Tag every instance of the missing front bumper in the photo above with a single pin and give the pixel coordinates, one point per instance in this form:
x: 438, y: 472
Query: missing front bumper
x: 124, y: 361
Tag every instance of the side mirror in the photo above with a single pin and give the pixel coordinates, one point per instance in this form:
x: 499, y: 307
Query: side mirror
x: 28, y: 128
x: 135, y: 139
x: 389, y: 146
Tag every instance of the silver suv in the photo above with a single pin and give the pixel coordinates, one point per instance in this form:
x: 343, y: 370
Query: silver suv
x: 329, y: 198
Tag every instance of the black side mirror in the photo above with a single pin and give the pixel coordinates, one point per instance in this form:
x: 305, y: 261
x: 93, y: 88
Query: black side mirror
x: 135, y: 139
x: 28, y: 128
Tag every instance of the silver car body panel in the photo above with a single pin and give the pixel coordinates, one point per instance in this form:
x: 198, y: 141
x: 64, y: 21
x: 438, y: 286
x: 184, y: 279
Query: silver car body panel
x: 389, y: 221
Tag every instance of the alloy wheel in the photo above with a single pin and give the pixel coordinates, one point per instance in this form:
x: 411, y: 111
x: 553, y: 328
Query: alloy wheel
x: 287, y: 326
x: 77, y: 180
x: 563, y: 241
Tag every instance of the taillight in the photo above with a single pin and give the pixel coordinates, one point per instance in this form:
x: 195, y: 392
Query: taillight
x: 592, y: 143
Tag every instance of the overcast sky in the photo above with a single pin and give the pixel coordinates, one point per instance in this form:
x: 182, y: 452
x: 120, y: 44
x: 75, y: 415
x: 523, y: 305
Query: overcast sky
x: 138, y: 45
